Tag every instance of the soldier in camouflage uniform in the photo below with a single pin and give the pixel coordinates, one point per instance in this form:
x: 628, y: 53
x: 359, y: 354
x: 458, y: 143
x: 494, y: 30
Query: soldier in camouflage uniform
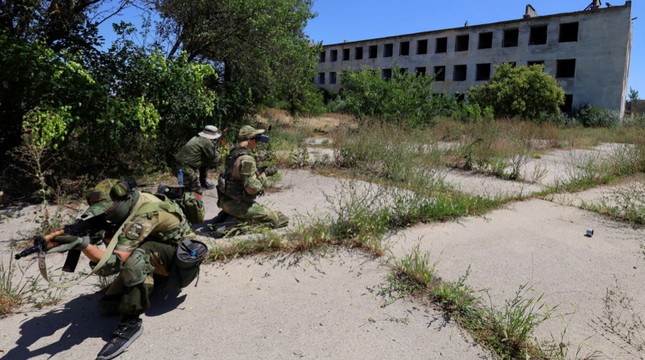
x: 199, y: 154
x: 242, y: 183
x: 152, y: 229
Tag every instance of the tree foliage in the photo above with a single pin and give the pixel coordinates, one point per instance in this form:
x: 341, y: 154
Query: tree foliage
x: 403, y: 97
x: 83, y: 109
x: 525, y: 91
x: 259, y: 47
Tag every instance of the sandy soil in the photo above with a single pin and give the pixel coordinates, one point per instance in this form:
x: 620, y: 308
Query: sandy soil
x: 330, y: 306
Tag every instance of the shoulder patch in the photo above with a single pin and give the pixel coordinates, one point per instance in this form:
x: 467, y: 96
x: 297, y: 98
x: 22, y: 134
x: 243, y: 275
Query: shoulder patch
x: 133, y: 231
x: 247, y: 166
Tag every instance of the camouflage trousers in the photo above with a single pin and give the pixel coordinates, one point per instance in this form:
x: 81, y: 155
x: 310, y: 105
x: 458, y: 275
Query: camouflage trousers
x: 134, y: 300
x: 251, y: 212
x: 193, y: 178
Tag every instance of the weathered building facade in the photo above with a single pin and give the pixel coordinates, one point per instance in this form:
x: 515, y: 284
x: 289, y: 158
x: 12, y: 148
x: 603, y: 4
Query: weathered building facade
x: 588, y: 52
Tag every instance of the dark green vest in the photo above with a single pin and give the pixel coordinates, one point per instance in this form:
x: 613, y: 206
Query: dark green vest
x: 232, y: 187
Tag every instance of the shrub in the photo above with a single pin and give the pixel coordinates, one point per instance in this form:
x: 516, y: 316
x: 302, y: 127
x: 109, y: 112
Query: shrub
x: 524, y: 91
x: 471, y: 113
x: 595, y: 116
x: 403, y: 97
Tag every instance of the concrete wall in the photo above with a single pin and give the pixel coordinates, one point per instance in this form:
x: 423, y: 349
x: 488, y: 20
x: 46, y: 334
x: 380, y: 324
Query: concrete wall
x: 601, y: 53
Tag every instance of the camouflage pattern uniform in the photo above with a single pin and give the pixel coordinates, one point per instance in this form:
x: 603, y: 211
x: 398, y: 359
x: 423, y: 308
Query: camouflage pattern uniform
x: 151, y: 235
x: 195, y: 158
x: 240, y: 185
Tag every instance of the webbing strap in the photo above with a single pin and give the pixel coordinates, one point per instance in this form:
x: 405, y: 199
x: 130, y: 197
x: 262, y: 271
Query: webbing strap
x: 42, y: 265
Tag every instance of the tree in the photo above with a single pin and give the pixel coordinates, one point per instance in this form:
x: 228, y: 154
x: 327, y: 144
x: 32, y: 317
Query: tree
x: 524, y: 91
x: 259, y: 46
x: 633, y: 95
x: 38, y: 39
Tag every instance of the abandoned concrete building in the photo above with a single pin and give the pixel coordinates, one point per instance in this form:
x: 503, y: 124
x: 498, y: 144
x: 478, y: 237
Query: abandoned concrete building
x: 587, y: 51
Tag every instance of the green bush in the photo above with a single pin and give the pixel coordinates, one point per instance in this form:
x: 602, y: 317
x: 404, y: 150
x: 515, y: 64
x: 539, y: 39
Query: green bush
x: 403, y: 97
x: 524, y: 91
x: 471, y: 113
x: 595, y: 116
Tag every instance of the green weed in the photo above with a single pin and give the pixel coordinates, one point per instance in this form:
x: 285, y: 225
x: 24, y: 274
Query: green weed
x: 621, y: 323
x: 13, y: 287
x: 626, y: 204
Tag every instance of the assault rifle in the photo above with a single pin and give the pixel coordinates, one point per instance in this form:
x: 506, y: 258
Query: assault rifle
x: 82, y: 227
x: 268, y: 170
x: 172, y: 192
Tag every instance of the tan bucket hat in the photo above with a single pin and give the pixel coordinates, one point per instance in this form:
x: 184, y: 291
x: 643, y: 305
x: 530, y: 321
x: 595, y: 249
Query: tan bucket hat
x: 210, y: 132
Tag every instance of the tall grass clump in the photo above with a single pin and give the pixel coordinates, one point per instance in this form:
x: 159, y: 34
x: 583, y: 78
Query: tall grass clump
x: 625, y: 203
x: 585, y: 172
x: 513, y: 325
x: 385, y: 151
x: 13, y: 288
x: 507, y: 331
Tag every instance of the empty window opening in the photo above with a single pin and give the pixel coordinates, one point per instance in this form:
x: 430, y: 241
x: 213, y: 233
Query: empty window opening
x: 460, y: 97
x: 333, y: 55
x: 510, y: 37
x: 388, y: 49
x: 373, y: 49
x: 567, y: 107
x: 569, y: 32
x: 420, y: 71
x: 511, y: 63
x: 461, y: 43
x: 485, y: 40
x: 537, y: 35
x: 483, y: 72
x: 440, y: 73
x: 422, y: 47
x: 345, y: 54
x: 332, y: 77
x: 386, y: 74
x: 404, y: 48
x: 358, y: 53
x: 566, y: 68
x: 322, y: 57
x: 459, y: 73
x: 535, y: 62
x: 321, y: 78
x: 403, y: 71
x: 441, y: 45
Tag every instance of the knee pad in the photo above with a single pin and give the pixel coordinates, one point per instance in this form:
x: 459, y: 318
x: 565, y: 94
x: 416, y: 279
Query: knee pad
x: 136, y: 268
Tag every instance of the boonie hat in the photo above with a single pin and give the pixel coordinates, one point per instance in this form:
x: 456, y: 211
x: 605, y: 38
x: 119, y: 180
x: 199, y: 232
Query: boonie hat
x: 210, y: 132
x: 248, y: 132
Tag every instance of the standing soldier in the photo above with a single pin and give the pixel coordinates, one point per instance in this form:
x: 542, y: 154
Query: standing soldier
x: 153, y: 246
x: 197, y: 156
x: 242, y: 183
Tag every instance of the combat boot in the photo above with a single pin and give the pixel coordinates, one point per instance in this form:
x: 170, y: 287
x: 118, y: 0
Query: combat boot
x: 130, y: 328
x: 207, y: 185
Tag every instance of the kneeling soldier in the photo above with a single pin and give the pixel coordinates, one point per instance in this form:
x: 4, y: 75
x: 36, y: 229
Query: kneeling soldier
x: 152, y: 236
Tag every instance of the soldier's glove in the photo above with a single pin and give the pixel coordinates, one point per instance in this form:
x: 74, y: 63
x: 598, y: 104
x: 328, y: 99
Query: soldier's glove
x: 97, y: 237
x: 271, y: 171
x: 69, y: 242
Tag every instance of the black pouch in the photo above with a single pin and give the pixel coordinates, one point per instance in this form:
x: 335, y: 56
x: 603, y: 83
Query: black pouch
x: 185, y: 268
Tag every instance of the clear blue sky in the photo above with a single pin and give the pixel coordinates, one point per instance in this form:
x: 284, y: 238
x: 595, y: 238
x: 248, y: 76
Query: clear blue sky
x: 352, y: 20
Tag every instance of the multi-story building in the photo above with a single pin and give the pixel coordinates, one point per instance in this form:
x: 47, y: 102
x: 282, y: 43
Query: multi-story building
x: 586, y: 51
